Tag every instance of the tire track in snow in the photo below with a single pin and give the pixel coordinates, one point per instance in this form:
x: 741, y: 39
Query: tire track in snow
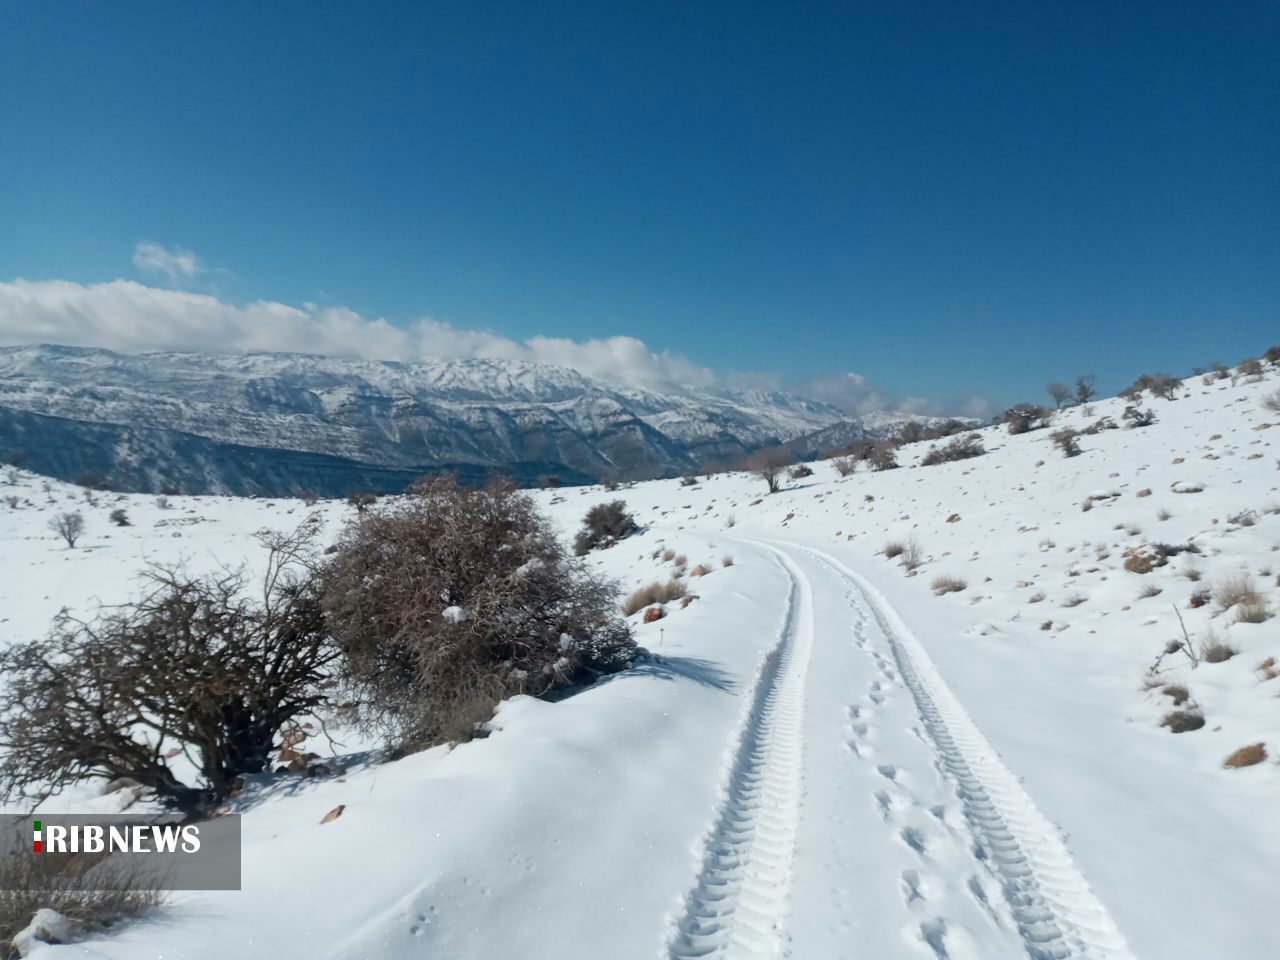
x: 737, y: 905
x: 1057, y: 915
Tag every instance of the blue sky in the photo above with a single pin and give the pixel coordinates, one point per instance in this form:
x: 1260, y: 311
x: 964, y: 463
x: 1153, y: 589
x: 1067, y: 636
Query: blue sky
x: 948, y: 199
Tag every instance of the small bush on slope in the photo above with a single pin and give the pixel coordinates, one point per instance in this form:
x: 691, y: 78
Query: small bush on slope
x: 654, y: 593
x: 959, y: 448
x: 603, y: 526
x: 195, y: 663
x: 1067, y: 440
x: 947, y: 584
x: 450, y: 599
x: 1025, y: 417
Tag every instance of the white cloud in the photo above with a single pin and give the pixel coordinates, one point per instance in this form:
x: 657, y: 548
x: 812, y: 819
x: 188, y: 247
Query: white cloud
x: 853, y: 393
x: 132, y: 317
x: 176, y: 267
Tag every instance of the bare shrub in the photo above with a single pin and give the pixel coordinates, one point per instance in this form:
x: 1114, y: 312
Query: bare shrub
x: 1149, y: 591
x: 689, y: 480
x: 1086, y: 387
x: 1246, y: 756
x: 195, y: 663
x: 1036, y: 597
x: 768, y: 464
x: 603, y: 526
x: 69, y: 526
x: 1183, y: 721
x: 1177, y: 693
x: 894, y: 548
x: 361, y: 500
x: 912, y: 555
x: 800, y: 471
x: 119, y: 518
x: 1252, y: 611
x: 163, y: 503
x: 726, y: 560
x: 1235, y: 589
x: 88, y: 903
x: 1272, y: 354
x: 843, y: 465
x: 1164, y: 385
x: 1213, y: 650
x: 1163, y: 514
x: 668, y: 555
x: 1060, y: 393
x: 947, y: 584
x: 1067, y: 440
x: 1138, y: 417
x: 883, y: 456
x: 1250, y: 367
x: 1026, y: 417
x: 655, y: 593
x: 1272, y: 402
x: 959, y: 448
x: 1074, y: 600
x: 455, y: 592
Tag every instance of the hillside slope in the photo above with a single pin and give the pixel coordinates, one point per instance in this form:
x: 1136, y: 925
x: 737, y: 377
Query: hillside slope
x: 827, y: 757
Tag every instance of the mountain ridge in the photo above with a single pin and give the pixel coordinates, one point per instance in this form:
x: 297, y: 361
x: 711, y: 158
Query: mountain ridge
x: 349, y: 423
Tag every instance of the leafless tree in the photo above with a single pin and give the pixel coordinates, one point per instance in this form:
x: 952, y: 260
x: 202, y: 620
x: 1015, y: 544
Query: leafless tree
x: 194, y: 664
x: 1059, y: 392
x: 68, y: 526
x: 1086, y: 388
x: 768, y: 464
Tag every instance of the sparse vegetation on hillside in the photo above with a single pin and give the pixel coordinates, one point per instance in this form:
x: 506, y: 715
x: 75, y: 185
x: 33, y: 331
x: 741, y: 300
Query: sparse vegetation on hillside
x: 603, y: 526
x: 959, y: 448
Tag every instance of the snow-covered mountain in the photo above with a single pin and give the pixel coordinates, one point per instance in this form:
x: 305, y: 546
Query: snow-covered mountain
x: 964, y: 750
x: 281, y: 423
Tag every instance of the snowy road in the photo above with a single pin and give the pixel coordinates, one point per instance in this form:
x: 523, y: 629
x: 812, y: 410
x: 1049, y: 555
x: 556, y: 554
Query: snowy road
x: 865, y: 815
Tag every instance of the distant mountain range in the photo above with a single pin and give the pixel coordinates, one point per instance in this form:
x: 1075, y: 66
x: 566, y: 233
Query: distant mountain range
x: 275, y: 424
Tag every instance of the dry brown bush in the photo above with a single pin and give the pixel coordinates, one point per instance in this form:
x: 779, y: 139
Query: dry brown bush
x: 843, y: 465
x: 894, y: 548
x: 1235, y: 589
x: 1213, y: 650
x: 655, y: 593
x: 1177, y: 693
x: 726, y: 561
x: 1246, y: 756
x: 455, y: 595
x: 1183, y: 721
x: 947, y: 584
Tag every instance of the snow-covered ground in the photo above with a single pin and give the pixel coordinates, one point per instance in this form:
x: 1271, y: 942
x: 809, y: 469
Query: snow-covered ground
x: 825, y: 759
